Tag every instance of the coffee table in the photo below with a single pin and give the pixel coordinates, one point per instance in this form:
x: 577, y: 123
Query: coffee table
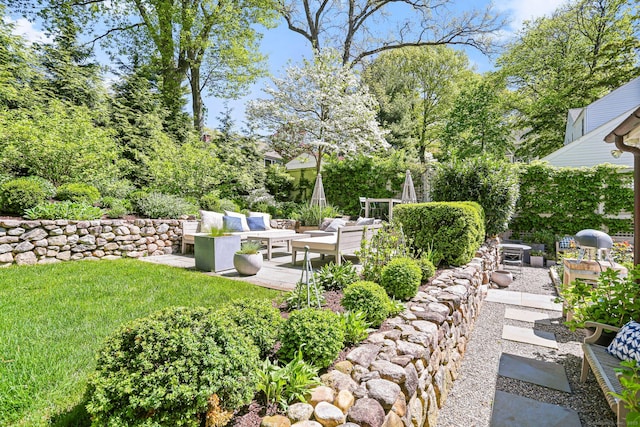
x: 276, y: 236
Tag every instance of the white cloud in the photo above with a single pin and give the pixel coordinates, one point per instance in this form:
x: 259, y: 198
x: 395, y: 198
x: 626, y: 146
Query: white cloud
x: 524, y: 10
x: 22, y: 27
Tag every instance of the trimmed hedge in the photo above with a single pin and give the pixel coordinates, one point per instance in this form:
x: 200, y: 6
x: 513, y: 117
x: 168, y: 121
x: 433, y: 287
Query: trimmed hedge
x: 368, y: 298
x: 78, y: 192
x: 454, y: 229
x: 401, y: 278
x: 19, y: 194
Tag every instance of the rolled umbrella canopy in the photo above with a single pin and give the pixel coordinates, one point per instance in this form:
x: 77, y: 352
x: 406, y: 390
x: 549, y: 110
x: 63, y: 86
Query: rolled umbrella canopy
x: 318, y: 198
x: 408, y: 191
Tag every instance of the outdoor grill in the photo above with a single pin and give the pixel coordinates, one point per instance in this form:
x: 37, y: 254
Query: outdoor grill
x: 594, y: 242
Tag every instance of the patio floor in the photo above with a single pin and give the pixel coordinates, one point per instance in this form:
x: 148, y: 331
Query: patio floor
x: 278, y: 273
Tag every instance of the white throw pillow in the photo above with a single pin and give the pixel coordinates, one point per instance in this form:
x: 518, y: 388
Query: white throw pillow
x: 335, y: 224
x: 209, y: 220
x: 365, y: 221
x: 265, y: 217
x: 243, y: 219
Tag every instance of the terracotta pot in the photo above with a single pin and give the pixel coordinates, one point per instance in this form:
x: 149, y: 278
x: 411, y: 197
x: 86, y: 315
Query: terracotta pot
x: 502, y: 278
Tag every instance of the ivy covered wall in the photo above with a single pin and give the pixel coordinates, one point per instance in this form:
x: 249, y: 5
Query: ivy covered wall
x: 566, y: 200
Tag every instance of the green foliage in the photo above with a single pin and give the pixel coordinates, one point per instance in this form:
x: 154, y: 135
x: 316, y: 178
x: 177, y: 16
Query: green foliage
x: 211, y: 201
x: 64, y: 210
x: 453, y: 229
x: 318, y: 333
x: 401, y: 278
x: 427, y: 266
x: 250, y: 247
x: 355, y: 327
x: 158, y: 205
x: 314, y: 215
x: 630, y: 394
x: 612, y: 301
x: 229, y: 205
x: 162, y: 369
x: 375, y: 253
x: 562, y: 201
x: 258, y: 319
x: 279, y: 182
x: 301, y: 297
x: 47, y: 185
x: 135, y: 197
x: 492, y: 183
x: 117, y: 189
x: 78, y: 192
x: 19, y: 194
x: 368, y: 298
x: 335, y: 277
x: 289, y: 383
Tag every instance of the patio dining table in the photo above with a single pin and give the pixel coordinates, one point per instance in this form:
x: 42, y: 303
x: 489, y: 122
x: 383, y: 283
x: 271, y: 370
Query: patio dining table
x: 391, y: 203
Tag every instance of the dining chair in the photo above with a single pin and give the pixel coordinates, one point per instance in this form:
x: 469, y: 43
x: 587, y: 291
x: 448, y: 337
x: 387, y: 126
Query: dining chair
x: 513, y: 259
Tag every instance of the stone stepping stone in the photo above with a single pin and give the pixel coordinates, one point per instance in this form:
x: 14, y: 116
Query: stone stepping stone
x: 524, y: 299
x: 546, y: 374
x: 527, y: 316
x: 529, y: 336
x: 510, y: 410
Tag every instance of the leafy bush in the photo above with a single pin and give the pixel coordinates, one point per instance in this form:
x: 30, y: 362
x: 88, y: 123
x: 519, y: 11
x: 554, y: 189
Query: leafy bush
x: 318, y: 333
x: 158, y: 205
x: 259, y: 320
x: 135, y: 198
x: 117, y: 208
x: 355, y: 327
x: 401, y: 278
x: 368, y: 298
x: 279, y: 182
x: 64, y: 210
x: 79, y: 192
x: 229, y: 205
x: 22, y: 193
x: 314, y: 215
x: 426, y: 266
x: 283, y: 209
x: 47, y: 185
x: 117, y: 189
x: 375, y: 253
x: 289, y: 383
x: 211, y: 201
x: 335, y: 277
x: 453, y: 229
x: 491, y: 183
x: 299, y: 297
x: 162, y: 370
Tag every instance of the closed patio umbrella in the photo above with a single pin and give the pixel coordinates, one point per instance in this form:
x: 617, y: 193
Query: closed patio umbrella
x: 318, y: 198
x: 408, y: 192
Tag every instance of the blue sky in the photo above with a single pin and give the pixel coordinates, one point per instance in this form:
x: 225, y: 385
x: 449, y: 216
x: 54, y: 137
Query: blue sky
x: 281, y: 46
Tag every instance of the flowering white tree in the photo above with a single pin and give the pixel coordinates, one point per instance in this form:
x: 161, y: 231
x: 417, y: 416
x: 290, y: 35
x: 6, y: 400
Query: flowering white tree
x: 319, y: 108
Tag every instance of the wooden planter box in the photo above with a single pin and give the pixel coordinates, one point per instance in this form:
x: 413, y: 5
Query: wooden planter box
x: 215, y: 253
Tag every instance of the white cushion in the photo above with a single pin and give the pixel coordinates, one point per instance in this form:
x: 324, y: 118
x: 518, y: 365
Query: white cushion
x: 265, y: 217
x: 243, y: 219
x: 335, y: 224
x: 210, y: 220
x: 365, y: 221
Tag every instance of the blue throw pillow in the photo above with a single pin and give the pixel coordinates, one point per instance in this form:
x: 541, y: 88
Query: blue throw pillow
x: 256, y: 223
x: 626, y: 344
x: 232, y: 223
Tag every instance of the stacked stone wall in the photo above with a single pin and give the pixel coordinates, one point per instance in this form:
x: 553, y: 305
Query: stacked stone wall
x: 401, y: 375
x: 48, y: 241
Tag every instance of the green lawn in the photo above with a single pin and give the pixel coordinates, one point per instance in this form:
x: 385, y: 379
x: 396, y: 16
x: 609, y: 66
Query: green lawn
x: 53, y: 319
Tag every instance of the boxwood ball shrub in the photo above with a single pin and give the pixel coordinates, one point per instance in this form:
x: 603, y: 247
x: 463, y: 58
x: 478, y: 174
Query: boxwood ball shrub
x: 427, y: 268
x: 401, y: 278
x: 369, y: 298
x: 259, y: 320
x: 78, y: 192
x: 162, y: 370
x: 318, y: 333
x: 19, y: 194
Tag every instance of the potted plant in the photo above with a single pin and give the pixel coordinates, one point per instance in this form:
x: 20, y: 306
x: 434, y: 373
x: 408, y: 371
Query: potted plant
x: 248, y: 260
x: 311, y: 217
x: 536, y: 258
x: 214, y: 250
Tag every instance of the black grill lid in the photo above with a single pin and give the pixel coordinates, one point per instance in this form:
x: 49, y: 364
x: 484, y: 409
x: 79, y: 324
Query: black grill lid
x: 594, y: 239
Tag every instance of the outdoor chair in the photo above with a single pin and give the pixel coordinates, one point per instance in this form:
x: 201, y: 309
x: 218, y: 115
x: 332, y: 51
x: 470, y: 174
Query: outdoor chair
x: 513, y: 259
x: 363, y: 206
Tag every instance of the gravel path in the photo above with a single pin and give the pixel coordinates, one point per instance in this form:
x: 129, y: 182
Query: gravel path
x: 469, y: 402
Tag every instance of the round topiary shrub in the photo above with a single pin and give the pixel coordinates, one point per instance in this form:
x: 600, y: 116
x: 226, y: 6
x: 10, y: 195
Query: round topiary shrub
x: 78, y: 192
x: 318, y: 333
x: 171, y: 368
x: 427, y: 267
x: 369, y: 298
x: 19, y: 194
x: 401, y: 278
x: 259, y: 320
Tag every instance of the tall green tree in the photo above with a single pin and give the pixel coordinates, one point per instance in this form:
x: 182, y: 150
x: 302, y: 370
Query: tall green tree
x: 416, y: 88
x: 478, y: 123
x: 584, y: 50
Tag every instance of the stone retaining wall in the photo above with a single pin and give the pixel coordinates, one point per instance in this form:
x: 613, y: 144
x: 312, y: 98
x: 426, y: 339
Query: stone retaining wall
x: 400, y: 377
x: 44, y: 241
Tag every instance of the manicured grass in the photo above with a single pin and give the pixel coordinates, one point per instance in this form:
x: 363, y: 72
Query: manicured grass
x: 54, y: 318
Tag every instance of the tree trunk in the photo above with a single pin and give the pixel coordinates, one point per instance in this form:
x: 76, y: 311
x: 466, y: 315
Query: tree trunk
x: 196, y: 99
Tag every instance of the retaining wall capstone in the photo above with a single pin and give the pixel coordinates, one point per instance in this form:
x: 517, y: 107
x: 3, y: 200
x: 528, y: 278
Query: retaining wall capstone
x: 48, y: 241
x: 401, y: 375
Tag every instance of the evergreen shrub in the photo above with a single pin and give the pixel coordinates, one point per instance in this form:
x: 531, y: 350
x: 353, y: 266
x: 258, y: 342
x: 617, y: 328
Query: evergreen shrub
x: 368, y: 298
x: 454, y: 229
x: 427, y: 267
x: 78, y: 192
x: 401, y: 278
x: 159, y: 205
x: 64, y: 210
x: 19, y: 194
x: 164, y: 369
x: 318, y: 333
